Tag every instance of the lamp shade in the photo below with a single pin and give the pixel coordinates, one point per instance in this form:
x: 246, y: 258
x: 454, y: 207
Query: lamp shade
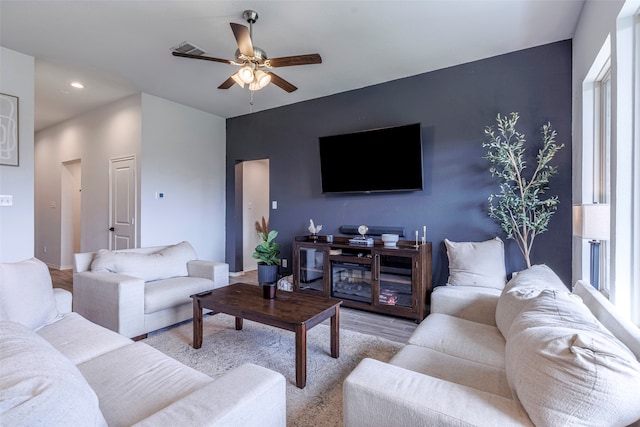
x: 592, y: 221
x: 246, y: 74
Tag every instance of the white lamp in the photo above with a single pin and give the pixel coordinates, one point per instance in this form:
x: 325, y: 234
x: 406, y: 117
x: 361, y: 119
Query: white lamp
x: 592, y: 221
x: 262, y: 78
x: 246, y: 74
x: 236, y: 79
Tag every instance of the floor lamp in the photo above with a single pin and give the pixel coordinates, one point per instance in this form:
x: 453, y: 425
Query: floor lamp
x: 592, y: 222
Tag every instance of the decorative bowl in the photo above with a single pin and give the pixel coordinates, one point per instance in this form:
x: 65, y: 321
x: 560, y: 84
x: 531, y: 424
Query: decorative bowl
x: 390, y: 240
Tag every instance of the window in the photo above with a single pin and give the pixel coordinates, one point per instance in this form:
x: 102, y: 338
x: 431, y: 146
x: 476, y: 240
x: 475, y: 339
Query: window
x: 602, y: 161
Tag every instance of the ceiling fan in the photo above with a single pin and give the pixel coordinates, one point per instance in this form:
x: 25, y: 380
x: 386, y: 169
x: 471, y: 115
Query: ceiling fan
x: 255, y: 66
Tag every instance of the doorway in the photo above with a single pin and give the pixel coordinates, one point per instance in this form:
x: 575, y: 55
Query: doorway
x: 255, y: 205
x: 70, y: 211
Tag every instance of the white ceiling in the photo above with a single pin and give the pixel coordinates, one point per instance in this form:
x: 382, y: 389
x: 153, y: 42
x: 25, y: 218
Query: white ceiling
x: 117, y: 48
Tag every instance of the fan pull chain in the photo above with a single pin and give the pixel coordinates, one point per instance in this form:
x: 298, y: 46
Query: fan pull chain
x: 251, y: 101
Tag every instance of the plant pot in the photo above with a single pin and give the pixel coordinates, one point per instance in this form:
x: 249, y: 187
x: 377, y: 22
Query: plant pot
x: 267, y: 273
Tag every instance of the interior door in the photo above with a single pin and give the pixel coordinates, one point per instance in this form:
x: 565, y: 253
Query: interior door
x: 122, y: 198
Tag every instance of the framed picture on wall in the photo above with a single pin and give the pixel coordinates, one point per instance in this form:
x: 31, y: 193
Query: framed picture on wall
x: 9, y: 141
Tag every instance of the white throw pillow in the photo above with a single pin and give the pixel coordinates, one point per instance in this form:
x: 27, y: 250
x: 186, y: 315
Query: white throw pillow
x: 476, y: 263
x: 565, y: 372
x: 164, y: 264
x: 520, y: 289
x: 39, y: 386
x: 27, y: 294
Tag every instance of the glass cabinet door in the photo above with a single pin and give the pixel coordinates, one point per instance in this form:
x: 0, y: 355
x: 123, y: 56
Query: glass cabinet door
x: 395, y: 280
x: 311, y: 269
x: 351, y: 281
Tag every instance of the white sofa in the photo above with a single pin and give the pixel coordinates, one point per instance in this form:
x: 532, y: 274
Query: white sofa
x: 59, y: 369
x: 529, y: 354
x: 136, y: 291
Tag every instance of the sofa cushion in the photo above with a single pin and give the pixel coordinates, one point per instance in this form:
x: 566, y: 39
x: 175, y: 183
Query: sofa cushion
x: 39, y: 386
x: 461, y: 338
x: 520, y: 289
x: 566, y: 372
x: 168, y: 262
x: 136, y: 381
x: 79, y: 340
x: 167, y: 293
x: 476, y: 263
x: 27, y: 293
x: 474, y: 303
x: 453, y: 369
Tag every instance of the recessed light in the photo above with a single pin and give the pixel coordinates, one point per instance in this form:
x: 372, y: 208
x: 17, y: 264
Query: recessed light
x: 77, y: 85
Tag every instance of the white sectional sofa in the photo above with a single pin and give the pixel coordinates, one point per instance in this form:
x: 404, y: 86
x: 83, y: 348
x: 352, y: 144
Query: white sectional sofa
x: 59, y: 369
x: 136, y: 291
x: 532, y: 353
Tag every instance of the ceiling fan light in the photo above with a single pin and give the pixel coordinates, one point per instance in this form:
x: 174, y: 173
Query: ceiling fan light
x: 246, y: 74
x: 237, y: 80
x: 262, y: 78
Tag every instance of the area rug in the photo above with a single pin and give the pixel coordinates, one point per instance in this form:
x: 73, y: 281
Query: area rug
x: 223, y: 348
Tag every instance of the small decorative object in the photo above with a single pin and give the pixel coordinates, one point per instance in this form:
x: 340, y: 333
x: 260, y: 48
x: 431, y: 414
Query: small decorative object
x: 269, y: 290
x: 424, y: 234
x: 390, y: 240
x: 267, y: 253
x: 519, y: 208
x: 363, y: 240
x: 9, y: 142
x: 416, y: 238
x: 314, y: 230
x: 285, y: 284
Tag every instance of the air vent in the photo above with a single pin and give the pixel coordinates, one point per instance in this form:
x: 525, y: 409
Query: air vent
x: 186, y: 47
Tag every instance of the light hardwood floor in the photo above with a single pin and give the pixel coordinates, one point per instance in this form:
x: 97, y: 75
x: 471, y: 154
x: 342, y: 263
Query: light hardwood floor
x: 389, y: 327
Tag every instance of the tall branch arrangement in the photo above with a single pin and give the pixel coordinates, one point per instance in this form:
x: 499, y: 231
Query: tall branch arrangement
x: 520, y: 208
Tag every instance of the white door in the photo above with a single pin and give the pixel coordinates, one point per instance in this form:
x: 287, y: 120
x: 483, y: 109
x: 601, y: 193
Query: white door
x: 122, y: 198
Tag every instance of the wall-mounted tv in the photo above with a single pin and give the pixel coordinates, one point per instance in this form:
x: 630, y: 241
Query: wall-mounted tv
x: 376, y: 160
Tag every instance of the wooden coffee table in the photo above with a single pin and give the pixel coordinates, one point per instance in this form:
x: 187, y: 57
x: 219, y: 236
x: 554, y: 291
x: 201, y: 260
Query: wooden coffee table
x: 292, y: 311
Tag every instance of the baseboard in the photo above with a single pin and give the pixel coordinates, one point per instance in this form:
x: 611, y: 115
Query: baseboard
x: 240, y: 273
x: 59, y: 267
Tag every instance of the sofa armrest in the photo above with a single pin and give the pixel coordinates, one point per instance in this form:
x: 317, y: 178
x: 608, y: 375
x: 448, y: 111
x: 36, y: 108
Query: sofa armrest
x: 381, y: 394
x: 218, y: 272
x: 466, y: 302
x: 63, y: 300
x: 82, y: 261
x: 112, y: 300
x: 248, y: 395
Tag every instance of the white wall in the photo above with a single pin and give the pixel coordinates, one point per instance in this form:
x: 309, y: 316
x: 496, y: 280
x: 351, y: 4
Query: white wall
x: 17, y: 221
x: 183, y: 156
x: 93, y: 138
x: 597, y: 21
x: 609, y: 22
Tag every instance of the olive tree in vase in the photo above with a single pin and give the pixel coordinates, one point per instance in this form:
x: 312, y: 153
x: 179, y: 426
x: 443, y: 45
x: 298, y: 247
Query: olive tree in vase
x: 520, y: 207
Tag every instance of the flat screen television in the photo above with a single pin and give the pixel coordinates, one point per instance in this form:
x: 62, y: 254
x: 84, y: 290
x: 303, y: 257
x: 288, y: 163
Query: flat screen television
x: 376, y: 160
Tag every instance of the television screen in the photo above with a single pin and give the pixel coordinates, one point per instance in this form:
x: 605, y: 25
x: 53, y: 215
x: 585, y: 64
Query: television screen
x: 386, y: 159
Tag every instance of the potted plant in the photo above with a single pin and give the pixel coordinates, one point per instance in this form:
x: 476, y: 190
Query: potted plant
x: 267, y: 253
x: 520, y: 208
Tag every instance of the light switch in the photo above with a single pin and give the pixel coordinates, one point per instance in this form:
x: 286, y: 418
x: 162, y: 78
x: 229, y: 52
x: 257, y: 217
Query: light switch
x: 6, y: 200
x: 274, y: 204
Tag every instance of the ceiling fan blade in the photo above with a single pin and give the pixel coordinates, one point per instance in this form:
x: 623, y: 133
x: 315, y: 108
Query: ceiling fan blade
x: 203, y: 57
x: 287, y: 61
x: 227, y: 83
x: 282, y: 83
x: 243, y: 38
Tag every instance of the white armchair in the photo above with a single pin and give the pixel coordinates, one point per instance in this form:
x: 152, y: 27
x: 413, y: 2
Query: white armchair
x: 136, y: 291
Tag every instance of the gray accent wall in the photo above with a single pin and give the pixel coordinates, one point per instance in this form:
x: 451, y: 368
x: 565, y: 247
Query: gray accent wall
x: 453, y: 106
